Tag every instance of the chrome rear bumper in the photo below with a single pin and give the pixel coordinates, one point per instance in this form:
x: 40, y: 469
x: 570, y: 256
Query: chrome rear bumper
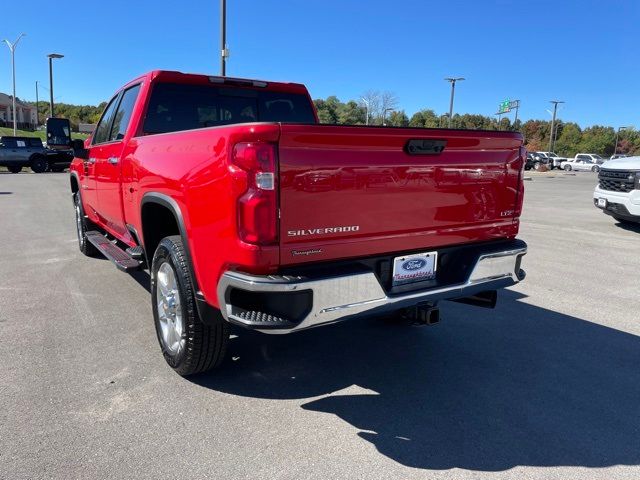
x: 338, y: 297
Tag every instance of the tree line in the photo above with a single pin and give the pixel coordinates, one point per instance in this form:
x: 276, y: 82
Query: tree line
x: 75, y: 113
x: 570, y: 138
x: 374, y: 107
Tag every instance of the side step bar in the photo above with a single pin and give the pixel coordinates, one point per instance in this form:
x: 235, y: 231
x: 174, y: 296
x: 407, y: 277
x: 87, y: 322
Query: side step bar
x: 119, y: 257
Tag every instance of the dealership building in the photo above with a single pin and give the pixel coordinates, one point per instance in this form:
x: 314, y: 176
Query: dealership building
x: 25, y: 114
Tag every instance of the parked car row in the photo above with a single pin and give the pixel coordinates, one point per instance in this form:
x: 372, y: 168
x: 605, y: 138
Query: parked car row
x: 17, y: 153
x: 586, y: 162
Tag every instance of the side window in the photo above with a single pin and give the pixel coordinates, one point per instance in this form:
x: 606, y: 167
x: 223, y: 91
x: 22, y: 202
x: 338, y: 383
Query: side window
x: 102, y: 130
x: 9, y: 143
x: 123, y: 114
x: 21, y: 143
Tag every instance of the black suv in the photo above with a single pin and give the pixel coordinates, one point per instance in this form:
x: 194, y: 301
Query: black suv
x: 19, y: 152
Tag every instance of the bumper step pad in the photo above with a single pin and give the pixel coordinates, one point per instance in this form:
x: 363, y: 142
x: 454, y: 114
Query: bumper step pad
x: 119, y: 257
x: 255, y: 319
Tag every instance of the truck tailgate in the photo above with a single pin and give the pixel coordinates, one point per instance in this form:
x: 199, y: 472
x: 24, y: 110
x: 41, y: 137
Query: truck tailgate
x: 358, y: 191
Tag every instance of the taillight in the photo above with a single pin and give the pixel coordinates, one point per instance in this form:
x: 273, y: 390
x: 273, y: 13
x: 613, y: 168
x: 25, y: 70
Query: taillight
x: 258, y: 204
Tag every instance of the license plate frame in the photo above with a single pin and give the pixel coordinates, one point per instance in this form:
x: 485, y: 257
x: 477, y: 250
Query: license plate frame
x: 417, y: 267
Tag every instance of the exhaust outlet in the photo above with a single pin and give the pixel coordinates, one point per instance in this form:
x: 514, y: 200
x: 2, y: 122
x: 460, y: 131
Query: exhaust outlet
x: 423, y: 314
x: 486, y: 299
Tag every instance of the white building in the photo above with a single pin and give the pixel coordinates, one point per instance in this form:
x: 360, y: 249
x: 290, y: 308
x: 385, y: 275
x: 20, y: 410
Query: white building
x: 26, y: 114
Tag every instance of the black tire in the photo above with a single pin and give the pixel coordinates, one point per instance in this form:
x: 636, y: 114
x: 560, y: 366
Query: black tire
x: 39, y: 164
x: 201, y: 347
x: 14, y: 169
x: 567, y: 168
x: 82, y: 226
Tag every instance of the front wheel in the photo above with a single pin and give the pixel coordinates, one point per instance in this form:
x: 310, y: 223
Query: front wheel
x: 39, y: 164
x: 188, y: 345
x: 567, y: 168
x: 595, y: 169
x: 14, y: 169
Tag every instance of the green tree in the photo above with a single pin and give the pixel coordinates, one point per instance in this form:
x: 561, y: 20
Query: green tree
x: 398, y: 119
x: 351, y: 113
x: 424, y: 119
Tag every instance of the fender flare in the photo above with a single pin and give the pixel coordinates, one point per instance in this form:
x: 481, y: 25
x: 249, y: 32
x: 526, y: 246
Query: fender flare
x: 205, y: 310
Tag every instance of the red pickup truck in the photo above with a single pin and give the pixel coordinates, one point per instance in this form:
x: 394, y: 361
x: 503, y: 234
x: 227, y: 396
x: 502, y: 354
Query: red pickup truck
x: 246, y: 211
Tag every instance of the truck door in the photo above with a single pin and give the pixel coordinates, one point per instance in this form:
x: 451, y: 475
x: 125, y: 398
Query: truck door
x: 88, y: 179
x: 109, y: 165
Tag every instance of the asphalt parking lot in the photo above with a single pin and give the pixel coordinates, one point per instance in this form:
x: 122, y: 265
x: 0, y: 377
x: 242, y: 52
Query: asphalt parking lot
x: 545, y: 386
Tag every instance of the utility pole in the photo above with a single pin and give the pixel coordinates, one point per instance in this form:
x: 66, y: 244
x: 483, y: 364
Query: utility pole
x: 224, y: 53
x: 51, y: 56
x: 615, y: 149
x: 12, y: 49
x: 453, y: 81
x: 553, y: 122
x: 37, y: 114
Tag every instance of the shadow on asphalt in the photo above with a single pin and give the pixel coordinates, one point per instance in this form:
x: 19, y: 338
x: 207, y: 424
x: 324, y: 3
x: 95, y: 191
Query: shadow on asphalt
x: 630, y: 227
x: 484, y: 390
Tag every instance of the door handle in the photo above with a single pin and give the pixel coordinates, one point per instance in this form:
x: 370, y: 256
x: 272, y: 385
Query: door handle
x: 113, y: 160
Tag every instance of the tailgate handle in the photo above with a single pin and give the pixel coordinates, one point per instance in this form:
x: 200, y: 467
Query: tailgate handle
x: 421, y: 146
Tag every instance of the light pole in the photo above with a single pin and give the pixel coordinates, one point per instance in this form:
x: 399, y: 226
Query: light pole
x: 37, y: 101
x: 224, y: 53
x: 12, y: 49
x: 366, y: 107
x: 384, y: 112
x: 453, y: 81
x: 553, y: 121
x: 51, y: 56
x: 615, y: 149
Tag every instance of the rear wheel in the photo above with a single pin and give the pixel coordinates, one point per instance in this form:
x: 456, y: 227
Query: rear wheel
x: 39, y: 164
x: 595, y: 169
x: 188, y: 345
x: 81, y: 228
x: 14, y: 169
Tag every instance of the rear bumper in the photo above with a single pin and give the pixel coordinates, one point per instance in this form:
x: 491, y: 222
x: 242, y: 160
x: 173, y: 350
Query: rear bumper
x: 256, y: 302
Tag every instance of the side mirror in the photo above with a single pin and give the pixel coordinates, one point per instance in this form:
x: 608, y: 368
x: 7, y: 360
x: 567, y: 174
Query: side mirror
x: 78, y: 149
x: 58, y: 133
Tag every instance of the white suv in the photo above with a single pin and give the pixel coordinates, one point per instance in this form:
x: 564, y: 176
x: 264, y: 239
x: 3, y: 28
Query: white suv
x: 618, y: 189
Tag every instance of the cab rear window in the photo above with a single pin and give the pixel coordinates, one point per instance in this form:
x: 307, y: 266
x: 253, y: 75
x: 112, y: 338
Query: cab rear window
x: 175, y: 107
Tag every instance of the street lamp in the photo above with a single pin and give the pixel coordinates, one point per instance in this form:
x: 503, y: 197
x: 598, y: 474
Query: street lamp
x: 12, y: 48
x: 37, y: 111
x: 223, y: 38
x: 366, y: 106
x: 384, y: 112
x: 51, y: 56
x: 453, y: 81
x: 615, y: 149
x: 553, y: 121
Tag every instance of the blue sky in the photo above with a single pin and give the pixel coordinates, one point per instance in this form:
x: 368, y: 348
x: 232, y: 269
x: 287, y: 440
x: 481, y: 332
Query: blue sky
x: 582, y: 52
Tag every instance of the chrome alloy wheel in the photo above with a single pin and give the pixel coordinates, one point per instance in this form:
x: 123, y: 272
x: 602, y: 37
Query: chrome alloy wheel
x: 79, y: 225
x: 169, y: 310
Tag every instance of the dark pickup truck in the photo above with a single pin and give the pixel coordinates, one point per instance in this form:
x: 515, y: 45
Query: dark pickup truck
x: 17, y: 153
